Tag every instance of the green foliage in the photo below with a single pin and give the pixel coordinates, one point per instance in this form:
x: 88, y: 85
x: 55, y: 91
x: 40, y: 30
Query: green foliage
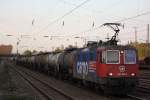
x: 143, y: 49
x: 34, y: 52
x: 27, y: 52
x: 57, y: 50
x: 70, y: 46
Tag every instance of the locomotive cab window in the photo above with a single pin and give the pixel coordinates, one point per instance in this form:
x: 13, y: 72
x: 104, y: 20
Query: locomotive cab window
x: 103, y: 57
x: 112, y: 57
x: 130, y: 57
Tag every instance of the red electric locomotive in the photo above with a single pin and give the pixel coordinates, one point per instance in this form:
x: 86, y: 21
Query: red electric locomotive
x: 112, y: 67
x: 117, y: 68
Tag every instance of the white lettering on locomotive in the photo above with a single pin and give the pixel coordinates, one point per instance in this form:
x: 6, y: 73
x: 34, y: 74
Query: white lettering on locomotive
x: 82, y: 68
x: 122, y: 74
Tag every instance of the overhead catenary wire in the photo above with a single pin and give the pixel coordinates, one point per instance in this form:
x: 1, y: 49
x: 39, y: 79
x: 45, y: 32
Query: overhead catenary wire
x: 122, y: 20
x: 69, y: 12
x: 112, y: 5
x: 96, y: 11
x: 93, y: 10
x: 132, y: 17
x: 125, y: 19
x: 53, y: 22
x: 94, y: 28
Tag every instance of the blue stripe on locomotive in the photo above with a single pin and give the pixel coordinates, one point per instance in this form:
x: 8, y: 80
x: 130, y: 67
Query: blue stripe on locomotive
x: 82, y: 63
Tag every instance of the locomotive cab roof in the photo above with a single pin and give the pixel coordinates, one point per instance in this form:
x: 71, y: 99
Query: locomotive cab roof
x: 113, y: 47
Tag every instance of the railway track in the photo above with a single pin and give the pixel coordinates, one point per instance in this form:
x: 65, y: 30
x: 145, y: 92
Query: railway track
x: 135, y: 97
x: 88, y: 95
x: 47, y: 91
x: 64, y: 96
x: 140, y: 94
x: 143, y: 90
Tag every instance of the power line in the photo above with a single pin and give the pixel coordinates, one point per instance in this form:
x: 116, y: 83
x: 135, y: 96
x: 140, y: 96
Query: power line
x: 73, y: 4
x: 69, y: 12
x: 53, y: 22
x: 97, y: 11
x: 125, y: 19
x: 106, y: 8
x: 129, y: 18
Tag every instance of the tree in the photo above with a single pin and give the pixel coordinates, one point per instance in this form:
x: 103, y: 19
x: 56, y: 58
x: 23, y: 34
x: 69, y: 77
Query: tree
x: 34, y: 52
x: 57, y: 50
x: 27, y: 52
x: 142, y: 48
x: 70, y: 47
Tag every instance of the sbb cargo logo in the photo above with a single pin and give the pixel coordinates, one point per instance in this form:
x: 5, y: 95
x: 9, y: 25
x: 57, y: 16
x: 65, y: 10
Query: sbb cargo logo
x: 122, y: 69
x: 82, y: 68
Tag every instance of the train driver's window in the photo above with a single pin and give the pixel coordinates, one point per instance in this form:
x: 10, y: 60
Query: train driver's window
x: 100, y: 56
x: 104, y: 57
x: 113, y: 57
x: 130, y: 57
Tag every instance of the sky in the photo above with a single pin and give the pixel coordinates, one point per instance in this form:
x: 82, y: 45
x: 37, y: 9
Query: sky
x: 28, y: 21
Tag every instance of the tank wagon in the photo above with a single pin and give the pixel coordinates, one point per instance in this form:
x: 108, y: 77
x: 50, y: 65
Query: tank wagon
x: 105, y: 65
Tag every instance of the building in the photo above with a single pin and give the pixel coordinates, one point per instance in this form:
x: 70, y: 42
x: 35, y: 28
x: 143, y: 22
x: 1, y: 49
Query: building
x: 5, y: 49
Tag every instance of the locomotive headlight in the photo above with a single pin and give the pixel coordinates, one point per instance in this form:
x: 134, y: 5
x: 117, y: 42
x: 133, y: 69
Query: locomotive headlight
x: 122, y: 52
x: 132, y: 74
x: 110, y: 74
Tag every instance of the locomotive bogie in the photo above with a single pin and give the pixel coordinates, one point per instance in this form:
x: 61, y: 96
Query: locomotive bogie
x: 118, y: 86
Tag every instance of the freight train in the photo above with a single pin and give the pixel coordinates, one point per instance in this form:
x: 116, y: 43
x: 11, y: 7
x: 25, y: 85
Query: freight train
x: 106, y: 65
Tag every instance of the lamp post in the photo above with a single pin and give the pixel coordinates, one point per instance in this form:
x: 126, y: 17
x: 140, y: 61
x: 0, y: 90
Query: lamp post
x: 84, y: 38
x: 17, y: 43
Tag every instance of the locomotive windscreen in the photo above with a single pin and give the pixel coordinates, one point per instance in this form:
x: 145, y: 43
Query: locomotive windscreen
x: 112, y: 57
x: 130, y: 57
